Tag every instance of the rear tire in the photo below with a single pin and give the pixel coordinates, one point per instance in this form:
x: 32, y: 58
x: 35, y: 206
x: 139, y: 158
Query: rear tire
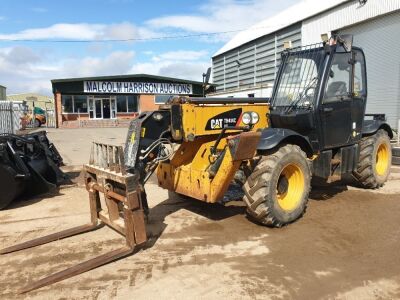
x: 374, y: 161
x: 276, y: 193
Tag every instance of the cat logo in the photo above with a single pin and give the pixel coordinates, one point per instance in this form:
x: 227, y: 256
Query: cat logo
x: 216, y: 123
x: 228, y: 118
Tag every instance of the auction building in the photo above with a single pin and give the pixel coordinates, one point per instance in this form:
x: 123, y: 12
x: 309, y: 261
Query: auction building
x: 114, y: 100
x: 246, y: 65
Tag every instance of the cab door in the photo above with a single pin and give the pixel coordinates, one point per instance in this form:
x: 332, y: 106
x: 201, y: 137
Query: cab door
x: 336, y: 105
x: 359, y: 92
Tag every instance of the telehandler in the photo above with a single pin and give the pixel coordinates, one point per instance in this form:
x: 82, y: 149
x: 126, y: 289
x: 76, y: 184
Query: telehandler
x: 313, y: 125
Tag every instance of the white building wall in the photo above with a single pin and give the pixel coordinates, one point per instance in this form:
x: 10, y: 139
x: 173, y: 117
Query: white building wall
x: 344, y: 15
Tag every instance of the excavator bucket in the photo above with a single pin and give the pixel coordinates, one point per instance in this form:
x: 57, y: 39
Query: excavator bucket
x: 29, y: 165
x: 107, y: 183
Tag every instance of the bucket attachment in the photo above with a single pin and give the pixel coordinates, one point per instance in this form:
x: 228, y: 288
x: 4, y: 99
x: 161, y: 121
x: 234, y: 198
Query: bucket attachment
x: 105, y: 174
x: 29, y: 165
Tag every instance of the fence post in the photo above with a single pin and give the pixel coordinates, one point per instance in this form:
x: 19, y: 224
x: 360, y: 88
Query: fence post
x: 12, y: 117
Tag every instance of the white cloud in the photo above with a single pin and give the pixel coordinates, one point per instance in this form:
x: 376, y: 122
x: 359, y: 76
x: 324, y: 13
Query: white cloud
x: 40, y: 10
x: 126, y: 30
x: 222, y: 15
x: 181, y: 55
x: 182, y: 70
x: 82, y: 31
x: 19, y: 55
x: 117, y: 62
x: 213, y: 16
x: 61, y: 31
x: 24, y: 70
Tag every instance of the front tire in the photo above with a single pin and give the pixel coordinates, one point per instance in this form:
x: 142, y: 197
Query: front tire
x: 375, y: 159
x: 276, y: 193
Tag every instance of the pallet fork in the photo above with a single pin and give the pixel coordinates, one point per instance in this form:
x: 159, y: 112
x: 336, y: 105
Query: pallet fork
x: 104, y: 174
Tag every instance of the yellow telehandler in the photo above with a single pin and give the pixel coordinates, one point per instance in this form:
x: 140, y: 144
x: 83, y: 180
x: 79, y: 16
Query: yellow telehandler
x: 313, y: 125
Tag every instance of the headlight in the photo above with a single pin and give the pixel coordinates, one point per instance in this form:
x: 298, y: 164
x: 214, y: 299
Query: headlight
x: 246, y: 118
x: 254, y: 118
x: 157, y: 116
x: 250, y: 117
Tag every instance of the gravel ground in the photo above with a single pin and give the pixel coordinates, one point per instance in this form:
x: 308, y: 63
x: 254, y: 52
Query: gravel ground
x: 345, y: 247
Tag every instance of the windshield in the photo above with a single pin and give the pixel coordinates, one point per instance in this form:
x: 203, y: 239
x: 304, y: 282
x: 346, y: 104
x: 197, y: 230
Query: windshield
x: 299, y: 78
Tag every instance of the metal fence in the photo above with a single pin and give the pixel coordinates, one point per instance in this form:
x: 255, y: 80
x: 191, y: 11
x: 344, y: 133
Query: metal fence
x: 15, y: 116
x: 10, y: 116
x: 50, y: 118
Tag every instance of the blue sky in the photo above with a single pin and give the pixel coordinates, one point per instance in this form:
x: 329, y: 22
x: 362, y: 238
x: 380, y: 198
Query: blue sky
x: 29, y: 66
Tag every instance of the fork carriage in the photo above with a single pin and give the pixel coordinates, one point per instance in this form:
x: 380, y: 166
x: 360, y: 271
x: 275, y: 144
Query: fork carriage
x: 105, y: 174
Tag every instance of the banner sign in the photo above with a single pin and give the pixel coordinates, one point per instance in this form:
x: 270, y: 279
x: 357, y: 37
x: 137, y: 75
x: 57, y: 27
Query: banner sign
x: 113, y: 87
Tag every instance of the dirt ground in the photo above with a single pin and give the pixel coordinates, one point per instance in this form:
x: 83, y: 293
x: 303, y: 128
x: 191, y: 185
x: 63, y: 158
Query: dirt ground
x: 347, y: 246
x: 75, y: 144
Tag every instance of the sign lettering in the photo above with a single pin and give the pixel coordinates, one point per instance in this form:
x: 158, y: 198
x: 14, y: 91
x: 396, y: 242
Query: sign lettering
x: 113, y: 87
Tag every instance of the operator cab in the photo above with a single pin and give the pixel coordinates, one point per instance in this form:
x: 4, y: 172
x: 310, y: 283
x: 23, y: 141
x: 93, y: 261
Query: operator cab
x: 321, y: 92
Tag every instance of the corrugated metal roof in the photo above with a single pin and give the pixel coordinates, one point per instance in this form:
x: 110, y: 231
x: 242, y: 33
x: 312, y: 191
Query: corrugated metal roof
x: 298, y: 12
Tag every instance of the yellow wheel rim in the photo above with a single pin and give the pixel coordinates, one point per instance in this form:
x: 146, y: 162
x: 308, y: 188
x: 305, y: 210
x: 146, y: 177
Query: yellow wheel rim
x: 382, y: 159
x: 290, y: 187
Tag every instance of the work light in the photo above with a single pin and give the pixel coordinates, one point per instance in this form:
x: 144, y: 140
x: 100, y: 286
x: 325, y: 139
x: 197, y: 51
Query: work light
x: 250, y: 117
x: 254, y: 117
x: 246, y: 118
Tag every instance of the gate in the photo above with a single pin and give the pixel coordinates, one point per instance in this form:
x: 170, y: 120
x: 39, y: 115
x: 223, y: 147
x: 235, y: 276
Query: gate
x: 11, y: 114
x: 50, y: 118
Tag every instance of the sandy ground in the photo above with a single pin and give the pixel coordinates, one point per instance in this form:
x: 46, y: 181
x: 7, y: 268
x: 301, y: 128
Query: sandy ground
x: 74, y: 144
x: 347, y: 246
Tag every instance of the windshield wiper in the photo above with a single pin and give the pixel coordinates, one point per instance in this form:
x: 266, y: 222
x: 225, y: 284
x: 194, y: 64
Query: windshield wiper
x: 301, y: 95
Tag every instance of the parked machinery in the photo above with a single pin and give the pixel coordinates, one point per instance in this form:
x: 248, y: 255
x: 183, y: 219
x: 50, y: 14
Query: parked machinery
x: 29, y: 165
x: 314, y: 125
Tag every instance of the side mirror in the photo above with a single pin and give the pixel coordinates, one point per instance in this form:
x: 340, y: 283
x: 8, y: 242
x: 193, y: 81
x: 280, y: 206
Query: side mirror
x: 347, y: 41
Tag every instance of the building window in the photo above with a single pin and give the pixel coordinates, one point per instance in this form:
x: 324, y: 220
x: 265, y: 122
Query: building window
x: 74, y: 103
x: 132, y: 103
x: 161, y: 99
x: 127, y: 104
x: 121, y: 104
x: 67, y: 104
x: 80, y: 104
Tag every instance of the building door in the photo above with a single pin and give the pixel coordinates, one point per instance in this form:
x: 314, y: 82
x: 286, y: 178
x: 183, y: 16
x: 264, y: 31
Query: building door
x: 106, y: 108
x: 102, y: 108
x: 109, y: 108
x: 98, y: 108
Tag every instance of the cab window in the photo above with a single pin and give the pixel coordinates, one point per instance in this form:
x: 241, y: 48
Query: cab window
x: 359, y: 88
x: 338, y: 85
